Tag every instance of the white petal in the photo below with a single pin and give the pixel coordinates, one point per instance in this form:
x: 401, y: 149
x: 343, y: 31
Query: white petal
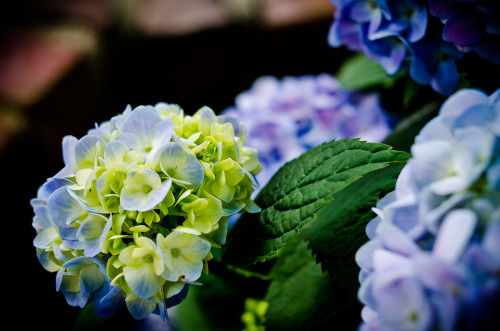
x: 87, y: 148
x: 162, y: 133
x: 454, y: 234
x: 141, y: 122
x: 196, y: 251
x: 156, y: 196
x: 132, y: 200
x: 143, y: 281
x: 191, y: 172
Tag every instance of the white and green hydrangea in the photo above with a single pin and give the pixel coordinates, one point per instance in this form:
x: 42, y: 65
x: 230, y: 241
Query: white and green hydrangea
x: 132, y: 217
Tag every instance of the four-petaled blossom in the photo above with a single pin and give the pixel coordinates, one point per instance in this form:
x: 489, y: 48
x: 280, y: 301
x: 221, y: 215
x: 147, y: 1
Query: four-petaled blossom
x: 143, y: 190
x: 143, y: 267
x: 183, y: 254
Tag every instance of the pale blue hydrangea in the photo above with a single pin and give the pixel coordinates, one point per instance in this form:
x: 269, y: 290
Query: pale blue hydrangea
x: 132, y: 217
x: 286, y: 117
x: 433, y: 256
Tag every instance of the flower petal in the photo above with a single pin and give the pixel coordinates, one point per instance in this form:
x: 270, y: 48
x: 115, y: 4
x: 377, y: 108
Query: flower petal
x: 196, y: 251
x: 192, y: 172
x: 143, y: 280
x: 454, y: 234
x: 132, y: 200
x: 141, y: 123
x: 156, y: 196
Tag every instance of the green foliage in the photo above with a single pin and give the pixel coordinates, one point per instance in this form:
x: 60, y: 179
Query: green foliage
x: 302, y: 297
x: 296, y: 193
x: 359, y: 72
x: 339, y: 230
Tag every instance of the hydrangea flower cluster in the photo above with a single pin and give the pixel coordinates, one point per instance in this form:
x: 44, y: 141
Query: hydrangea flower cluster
x: 286, y: 117
x: 142, y: 199
x: 433, y: 259
x: 471, y: 25
x: 400, y: 35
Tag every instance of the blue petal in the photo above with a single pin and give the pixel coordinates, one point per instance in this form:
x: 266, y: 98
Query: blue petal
x: 162, y: 132
x: 108, y: 300
x: 42, y: 213
x: 461, y: 101
x: 139, y: 308
x: 132, y: 200
x: 87, y: 148
x: 176, y: 299
x: 63, y: 208
x: 157, y: 196
x: 50, y: 186
x: 192, y: 172
x: 141, y: 121
x: 69, y: 144
x: 91, y: 279
x: 445, y: 80
x: 454, y: 234
x: 78, y: 263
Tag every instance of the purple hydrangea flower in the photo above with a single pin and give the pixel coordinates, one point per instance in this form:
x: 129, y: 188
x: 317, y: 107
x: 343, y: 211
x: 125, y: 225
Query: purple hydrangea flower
x: 399, y: 35
x: 379, y: 29
x: 472, y: 25
x: 286, y: 117
x: 433, y: 256
x: 433, y: 62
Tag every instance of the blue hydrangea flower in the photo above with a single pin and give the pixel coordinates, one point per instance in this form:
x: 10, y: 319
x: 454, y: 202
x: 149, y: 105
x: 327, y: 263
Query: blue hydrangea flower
x: 432, y: 258
x: 142, y: 198
x: 285, y: 117
x: 470, y: 25
x: 379, y: 28
x: 400, y: 35
x: 433, y: 63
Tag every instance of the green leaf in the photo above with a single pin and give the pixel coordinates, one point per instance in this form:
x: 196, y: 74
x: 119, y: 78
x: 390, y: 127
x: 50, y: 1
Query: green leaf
x: 339, y: 230
x: 303, y: 297
x: 360, y: 72
x: 297, y: 191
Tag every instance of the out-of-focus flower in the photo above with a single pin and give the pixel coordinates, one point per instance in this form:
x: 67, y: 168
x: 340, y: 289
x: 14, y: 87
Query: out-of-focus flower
x: 431, y: 261
x: 470, y: 25
x: 131, y: 218
x: 400, y: 35
x: 285, y: 117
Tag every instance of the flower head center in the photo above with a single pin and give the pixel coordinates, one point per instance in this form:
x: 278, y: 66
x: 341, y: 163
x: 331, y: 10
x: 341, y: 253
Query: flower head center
x: 146, y: 189
x: 413, y: 316
x: 148, y: 258
x: 148, y: 148
x: 171, y: 172
x: 176, y: 252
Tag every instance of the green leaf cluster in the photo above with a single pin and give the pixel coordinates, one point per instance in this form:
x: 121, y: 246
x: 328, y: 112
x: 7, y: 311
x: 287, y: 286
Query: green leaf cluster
x: 298, y: 191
